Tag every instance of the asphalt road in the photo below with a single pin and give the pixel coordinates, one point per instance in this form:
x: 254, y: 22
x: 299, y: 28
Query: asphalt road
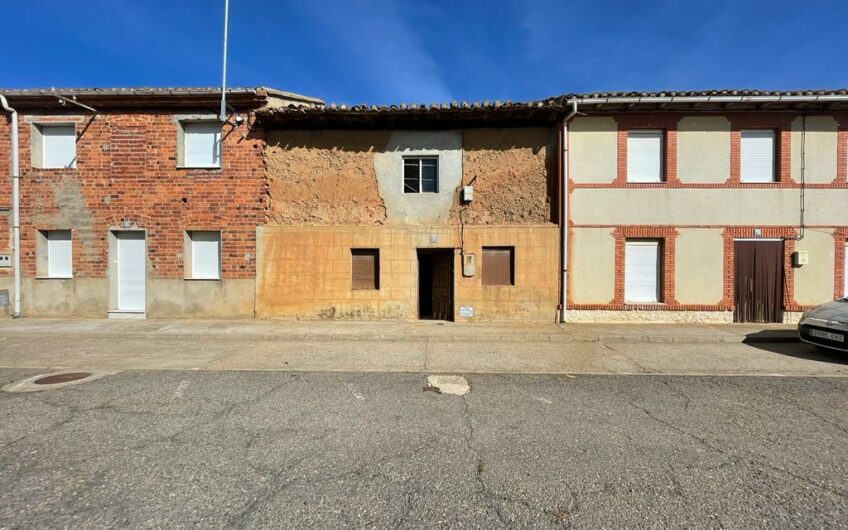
x: 192, y: 449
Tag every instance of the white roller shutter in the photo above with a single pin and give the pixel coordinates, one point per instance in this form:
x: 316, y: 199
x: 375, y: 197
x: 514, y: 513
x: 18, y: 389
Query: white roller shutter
x: 757, y: 156
x: 202, y: 144
x: 205, y: 255
x: 59, y: 254
x: 641, y: 271
x: 644, y: 156
x: 845, y: 272
x: 58, y: 146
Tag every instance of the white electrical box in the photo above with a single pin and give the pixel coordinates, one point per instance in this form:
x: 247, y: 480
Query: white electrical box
x: 469, y: 265
x: 5, y: 261
x: 468, y: 193
x: 800, y: 257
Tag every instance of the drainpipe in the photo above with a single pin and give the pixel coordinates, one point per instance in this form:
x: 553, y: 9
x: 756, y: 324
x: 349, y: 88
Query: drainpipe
x: 564, y: 212
x: 16, y: 210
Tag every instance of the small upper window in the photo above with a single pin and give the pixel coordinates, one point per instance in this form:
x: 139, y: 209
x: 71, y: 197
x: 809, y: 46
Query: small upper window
x: 201, y: 144
x: 58, y: 146
x: 420, y: 174
x: 644, y: 156
x: 757, y: 156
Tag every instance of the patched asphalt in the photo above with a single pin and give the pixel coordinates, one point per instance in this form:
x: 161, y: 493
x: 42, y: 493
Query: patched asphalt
x: 194, y: 449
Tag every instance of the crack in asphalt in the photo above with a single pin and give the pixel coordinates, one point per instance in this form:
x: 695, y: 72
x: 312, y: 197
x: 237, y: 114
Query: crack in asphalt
x: 745, y: 461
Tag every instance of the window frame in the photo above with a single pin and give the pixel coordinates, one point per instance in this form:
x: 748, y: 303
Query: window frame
x: 44, y: 249
x: 659, y: 289
x: 189, y: 263
x: 419, y: 159
x: 38, y: 144
x: 775, y: 159
x: 487, y: 279
x: 375, y: 252
x: 183, y: 156
x: 661, y: 155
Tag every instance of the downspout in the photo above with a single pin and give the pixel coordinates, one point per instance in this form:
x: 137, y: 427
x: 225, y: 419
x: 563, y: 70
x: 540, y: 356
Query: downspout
x: 16, y: 209
x: 564, y: 213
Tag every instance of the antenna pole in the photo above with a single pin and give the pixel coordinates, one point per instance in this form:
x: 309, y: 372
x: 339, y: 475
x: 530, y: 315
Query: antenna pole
x: 223, y: 115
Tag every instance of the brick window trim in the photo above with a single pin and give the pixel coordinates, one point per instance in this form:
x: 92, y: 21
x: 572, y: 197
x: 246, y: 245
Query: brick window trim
x: 667, y: 235
x: 668, y: 124
x: 841, y: 148
x: 782, y: 125
x: 840, y: 237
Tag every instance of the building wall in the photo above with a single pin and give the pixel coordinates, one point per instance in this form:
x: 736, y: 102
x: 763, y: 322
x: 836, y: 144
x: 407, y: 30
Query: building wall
x: 127, y: 177
x: 305, y: 272
x: 332, y: 191
x: 699, y: 210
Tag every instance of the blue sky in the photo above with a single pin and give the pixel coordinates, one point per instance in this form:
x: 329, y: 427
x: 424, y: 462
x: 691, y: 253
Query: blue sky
x: 384, y: 51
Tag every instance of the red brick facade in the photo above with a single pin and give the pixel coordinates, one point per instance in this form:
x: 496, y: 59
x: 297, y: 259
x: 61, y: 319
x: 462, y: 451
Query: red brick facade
x: 127, y: 175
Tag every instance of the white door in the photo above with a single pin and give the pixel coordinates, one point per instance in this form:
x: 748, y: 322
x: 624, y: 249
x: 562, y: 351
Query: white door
x: 131, y: 265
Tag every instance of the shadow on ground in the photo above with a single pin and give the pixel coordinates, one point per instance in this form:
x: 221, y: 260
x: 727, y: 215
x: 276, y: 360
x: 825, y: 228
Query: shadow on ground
x: 799, y: 350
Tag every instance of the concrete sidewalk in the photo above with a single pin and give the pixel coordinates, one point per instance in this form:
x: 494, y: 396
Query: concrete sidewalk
x: 427, y: 347
x: 419, y: 331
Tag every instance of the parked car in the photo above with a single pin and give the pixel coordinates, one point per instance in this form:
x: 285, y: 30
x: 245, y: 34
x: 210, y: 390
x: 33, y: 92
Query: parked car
x: 826, y: 326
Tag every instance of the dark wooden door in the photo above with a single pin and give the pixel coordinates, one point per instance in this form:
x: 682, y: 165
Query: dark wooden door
x: 443, y: 286
x: 758, y: 281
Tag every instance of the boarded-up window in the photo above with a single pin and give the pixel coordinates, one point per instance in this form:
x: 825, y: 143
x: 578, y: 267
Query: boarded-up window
x: 498, y: 264
x: 642, y: 271
x: 644, y: 156
x: 365, y: 268
x: 757, y: 156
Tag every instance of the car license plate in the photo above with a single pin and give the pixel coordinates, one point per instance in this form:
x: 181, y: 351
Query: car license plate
x: 827, y: 335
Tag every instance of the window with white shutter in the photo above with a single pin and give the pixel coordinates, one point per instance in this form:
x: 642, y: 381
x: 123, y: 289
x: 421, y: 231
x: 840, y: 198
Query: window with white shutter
x: 644, y: 155
x: 201, y: 144
x: 642, y: 271
x: 58, y: 259
x: 757, y: 156
x: 205, y: 254
x: 58, y: 146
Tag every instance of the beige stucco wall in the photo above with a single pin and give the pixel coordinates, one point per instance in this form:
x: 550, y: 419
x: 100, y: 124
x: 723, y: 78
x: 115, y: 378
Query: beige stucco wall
x: 592, y: 266
x: 729, y: 206
x: 699, y: 266
x: 593, y: 149
x: 814, y: 281
x: 703, y: 149
x: 305, y: 272
x: 819, y: 147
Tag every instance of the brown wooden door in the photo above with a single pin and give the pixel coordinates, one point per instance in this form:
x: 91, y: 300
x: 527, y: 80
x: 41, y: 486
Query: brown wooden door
x: 443, y: 286
x: 758, y: 281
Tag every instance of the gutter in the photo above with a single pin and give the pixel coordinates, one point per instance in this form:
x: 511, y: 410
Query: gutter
x: 16, y: 209
x: 564, y: 214
x: 710, y: 99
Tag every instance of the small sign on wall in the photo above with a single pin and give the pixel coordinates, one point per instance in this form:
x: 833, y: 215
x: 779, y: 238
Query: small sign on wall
x: 466, y: 311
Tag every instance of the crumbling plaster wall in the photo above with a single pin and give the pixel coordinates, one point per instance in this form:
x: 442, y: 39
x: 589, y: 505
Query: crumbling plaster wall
x: 355, y: 177
x: 324, y: 177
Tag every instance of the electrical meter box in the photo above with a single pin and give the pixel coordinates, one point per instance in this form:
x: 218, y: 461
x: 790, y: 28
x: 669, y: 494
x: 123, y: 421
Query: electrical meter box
x: 468, y: 193
x: 5, y: 261
x: 800, y: 257
x: 469, y: 265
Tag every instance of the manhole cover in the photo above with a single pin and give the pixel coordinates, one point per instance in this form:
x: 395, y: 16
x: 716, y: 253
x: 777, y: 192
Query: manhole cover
x: 61, y: 378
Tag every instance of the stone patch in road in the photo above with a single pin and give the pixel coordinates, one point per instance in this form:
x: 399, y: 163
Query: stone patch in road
x: 448, y: 384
